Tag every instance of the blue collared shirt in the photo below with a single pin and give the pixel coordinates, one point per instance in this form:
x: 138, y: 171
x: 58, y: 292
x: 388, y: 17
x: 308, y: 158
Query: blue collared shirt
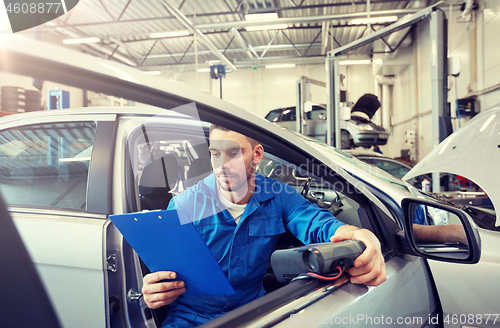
x: 243, y: 250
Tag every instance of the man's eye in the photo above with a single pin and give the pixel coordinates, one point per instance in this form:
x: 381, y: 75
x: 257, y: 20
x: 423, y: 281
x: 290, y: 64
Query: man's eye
x: 215, y: 155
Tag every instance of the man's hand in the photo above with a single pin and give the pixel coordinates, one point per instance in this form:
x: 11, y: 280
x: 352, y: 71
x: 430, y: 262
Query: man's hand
x: 157, y: 293
x: 369, y: 267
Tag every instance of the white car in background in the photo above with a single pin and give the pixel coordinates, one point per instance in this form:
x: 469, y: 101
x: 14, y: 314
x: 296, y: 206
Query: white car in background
x: 357, y: 131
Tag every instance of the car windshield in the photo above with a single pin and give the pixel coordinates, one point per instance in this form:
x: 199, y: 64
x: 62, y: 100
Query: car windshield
x: 396, y: 169
x: 273, y: 115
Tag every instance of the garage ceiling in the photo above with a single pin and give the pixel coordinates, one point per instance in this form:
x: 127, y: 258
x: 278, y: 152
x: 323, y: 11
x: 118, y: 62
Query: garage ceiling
x: 124, y: 28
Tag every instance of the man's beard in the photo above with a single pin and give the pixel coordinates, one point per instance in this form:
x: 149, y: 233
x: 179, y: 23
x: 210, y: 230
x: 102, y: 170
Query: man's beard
x: 227, y: 186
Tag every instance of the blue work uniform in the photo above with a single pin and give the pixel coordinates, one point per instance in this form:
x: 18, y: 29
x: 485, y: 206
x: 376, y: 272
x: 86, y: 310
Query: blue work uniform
x: 420, y: 216
x: 243, y: 250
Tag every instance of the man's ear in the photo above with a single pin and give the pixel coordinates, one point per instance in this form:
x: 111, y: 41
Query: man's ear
x: 258, y: 154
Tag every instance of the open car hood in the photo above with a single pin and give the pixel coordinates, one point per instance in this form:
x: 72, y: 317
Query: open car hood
x: 368, y: 104
x: 472, y: 152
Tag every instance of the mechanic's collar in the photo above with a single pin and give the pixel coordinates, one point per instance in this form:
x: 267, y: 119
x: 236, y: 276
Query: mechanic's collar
x: 263, y: 188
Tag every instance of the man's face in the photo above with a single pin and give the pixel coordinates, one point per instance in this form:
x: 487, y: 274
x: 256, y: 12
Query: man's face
x: 232, y: 159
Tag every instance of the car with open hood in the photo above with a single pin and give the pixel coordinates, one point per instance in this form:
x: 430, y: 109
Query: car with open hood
x: 65, y: 171
x: 357, y: 131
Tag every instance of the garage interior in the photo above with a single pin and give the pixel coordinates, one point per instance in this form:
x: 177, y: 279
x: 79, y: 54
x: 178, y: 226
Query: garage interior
x: 282, y: 53
x: 410, y: 72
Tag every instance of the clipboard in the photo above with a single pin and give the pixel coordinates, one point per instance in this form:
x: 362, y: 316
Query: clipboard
x: 164, y: 244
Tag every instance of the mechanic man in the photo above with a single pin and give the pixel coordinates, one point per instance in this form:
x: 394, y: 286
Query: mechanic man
x: 243, y: 237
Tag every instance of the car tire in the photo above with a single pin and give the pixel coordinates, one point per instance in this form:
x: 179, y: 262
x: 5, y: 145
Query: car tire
x: 12, y: 96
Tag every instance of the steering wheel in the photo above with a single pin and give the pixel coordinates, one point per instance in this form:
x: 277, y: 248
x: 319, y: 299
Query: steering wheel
x: 306, y: 187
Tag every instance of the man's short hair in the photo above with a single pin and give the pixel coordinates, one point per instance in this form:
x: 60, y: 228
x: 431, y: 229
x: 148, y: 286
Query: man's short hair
x: 252, y: 142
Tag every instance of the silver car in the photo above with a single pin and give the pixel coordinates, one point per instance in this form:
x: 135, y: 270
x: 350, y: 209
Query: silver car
x: 358, y: 131
x: 65, y: 171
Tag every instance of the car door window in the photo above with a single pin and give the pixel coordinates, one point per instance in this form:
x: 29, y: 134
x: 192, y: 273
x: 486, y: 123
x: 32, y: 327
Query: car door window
x: 166, y: 162
x: 316, y: 189
x: 288, y: 114
x: 46, y: 165
x: 273, y: 115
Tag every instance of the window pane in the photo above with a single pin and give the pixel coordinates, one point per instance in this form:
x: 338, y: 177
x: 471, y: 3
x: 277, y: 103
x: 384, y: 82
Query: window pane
x: 166, y: 161
x: 46, y: 165
x: 319, y: 191
x: 289, y: 114
x: 273, y: 115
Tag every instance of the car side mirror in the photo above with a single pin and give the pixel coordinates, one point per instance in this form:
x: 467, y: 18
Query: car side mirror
x: 440, y: 232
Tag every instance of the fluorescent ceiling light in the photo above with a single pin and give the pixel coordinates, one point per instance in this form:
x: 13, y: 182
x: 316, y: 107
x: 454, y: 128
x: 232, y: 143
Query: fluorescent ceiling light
x: 213, y: 62
x: 81, y: 40
x: 267, y: 27
x: 170, y: 34
x: 259, y: 17
x: 203, y: 70
x: 355, y: 62
x: 152, y: 72
x: 280, y: 66
x: 375, y: 20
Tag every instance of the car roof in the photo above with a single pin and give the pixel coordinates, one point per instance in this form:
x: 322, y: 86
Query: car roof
x: 314, y: 107
x: 129, y: 110
x: 364, y: 153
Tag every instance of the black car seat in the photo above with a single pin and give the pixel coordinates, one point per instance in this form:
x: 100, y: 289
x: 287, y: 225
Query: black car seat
x: 157, y: 179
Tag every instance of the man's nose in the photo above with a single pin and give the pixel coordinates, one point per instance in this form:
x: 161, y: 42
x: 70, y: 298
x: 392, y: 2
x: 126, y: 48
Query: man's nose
x: 227, y: 161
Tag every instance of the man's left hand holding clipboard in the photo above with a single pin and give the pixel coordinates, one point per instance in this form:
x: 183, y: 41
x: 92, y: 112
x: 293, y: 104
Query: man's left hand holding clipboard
x: 175, y: 251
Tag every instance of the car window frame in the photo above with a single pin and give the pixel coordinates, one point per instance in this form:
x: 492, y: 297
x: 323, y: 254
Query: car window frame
x: 29, y: 126
x: 100, y: 177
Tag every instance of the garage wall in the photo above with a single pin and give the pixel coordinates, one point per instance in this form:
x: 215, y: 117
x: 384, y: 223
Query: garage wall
x: 262, y: 90
x: 488, y: 22
x: 412, y: 100
x: 412, y: 89
x: 75, y: 98
x: 359, y: 81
